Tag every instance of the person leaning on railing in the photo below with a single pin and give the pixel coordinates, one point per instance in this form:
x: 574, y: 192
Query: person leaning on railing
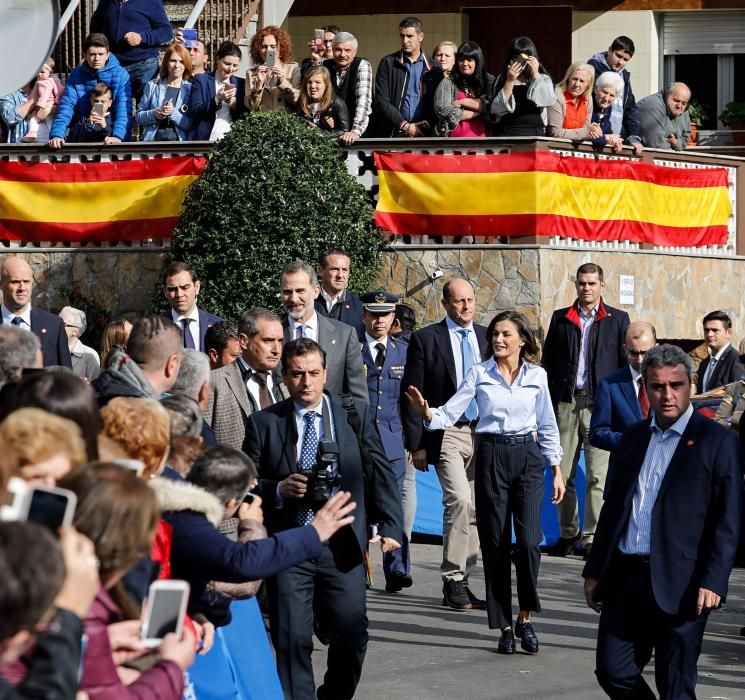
x: 570, y: 116
x: 318, y: 104
x: 607, y: 87
x: 272, y: 84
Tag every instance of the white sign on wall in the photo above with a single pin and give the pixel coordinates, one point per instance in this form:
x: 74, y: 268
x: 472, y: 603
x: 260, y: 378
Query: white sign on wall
x: 626, y: 289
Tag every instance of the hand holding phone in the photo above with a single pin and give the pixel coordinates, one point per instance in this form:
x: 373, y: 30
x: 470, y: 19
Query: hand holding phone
x: 190, y: 37
x: 318, y: 45
x: 271, y: 58
x: 165, y: 611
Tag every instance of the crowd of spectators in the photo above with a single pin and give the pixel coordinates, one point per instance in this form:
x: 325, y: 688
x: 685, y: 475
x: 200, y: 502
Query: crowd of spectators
x: 452, y: 92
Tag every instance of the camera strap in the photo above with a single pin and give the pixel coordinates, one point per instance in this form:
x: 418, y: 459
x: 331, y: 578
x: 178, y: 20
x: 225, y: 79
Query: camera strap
x: 326, y: 418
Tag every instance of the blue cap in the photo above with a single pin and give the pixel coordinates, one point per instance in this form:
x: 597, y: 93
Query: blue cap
x: 379, y: 302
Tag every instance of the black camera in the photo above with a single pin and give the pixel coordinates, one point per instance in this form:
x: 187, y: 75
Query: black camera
x: 321, y: 481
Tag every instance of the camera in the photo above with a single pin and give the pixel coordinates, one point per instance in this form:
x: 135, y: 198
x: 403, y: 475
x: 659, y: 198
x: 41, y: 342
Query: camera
x: 321, y: 482
x: 436, y: 274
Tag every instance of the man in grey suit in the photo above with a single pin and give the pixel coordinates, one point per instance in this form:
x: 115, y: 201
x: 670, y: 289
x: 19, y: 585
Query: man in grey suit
x: 346, y: 375
x: 251, y: 382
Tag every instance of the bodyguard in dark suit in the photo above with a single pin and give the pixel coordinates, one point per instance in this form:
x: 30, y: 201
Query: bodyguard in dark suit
x: 436, y: 364
x: 384, y: 359
x: 666, y: 539
x: 299, y: 289
x: 181, y: 287
x: 722, y: 365
x: 16, y: 282
x: 584, y: 344
x: 621, y: 398
x: 281, y: 440
x: 335, y: 300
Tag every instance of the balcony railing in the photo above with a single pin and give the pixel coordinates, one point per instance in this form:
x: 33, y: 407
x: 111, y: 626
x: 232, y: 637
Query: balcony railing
x: 359, y: 162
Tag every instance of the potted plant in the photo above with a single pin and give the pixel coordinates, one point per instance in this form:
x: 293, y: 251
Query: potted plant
x: 733, y: 116
x: 698, y: 114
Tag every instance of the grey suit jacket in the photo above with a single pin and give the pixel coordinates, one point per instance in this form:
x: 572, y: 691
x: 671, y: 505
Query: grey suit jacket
x: 346, y: 374
x: 230, y: 404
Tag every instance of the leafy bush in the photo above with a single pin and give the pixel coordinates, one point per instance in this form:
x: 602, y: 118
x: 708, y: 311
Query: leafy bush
x: 273, y: 191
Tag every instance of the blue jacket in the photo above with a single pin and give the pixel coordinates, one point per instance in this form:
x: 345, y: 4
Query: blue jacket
x: 76, y: 103
x: 153, y: 97
x: 146, y: 17
x: 631, y: 124
x: 349, y: 311
x: 202, y: 105
x: 17, y: 125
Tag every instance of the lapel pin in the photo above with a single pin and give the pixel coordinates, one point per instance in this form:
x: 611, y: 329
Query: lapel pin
x: 43, y: 330
x: 333, y: 342
x: 689, y: 443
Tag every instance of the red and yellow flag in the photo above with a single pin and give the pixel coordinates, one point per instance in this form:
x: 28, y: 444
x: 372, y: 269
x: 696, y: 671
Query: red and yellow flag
x: 80, y: 202
x: 547, y: 194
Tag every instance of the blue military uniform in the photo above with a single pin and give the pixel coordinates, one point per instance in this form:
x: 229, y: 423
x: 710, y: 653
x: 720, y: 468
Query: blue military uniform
x: 384, y: 390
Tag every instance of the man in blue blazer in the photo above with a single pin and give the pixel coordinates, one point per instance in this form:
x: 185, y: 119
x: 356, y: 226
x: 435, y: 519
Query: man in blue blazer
x: 16, y: 283
x: 621, y: 398
x: 666, y: 538
x: 181, y: 287
x: 284, y: 440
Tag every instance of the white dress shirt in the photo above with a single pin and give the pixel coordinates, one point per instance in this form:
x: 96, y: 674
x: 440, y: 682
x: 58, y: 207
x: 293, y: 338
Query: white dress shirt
x: 455, y: 341
x: 636, y: 375
x: 517, y: 409
x: 332, y: 301
x: 311, y: 327
x: 252, y: 385
x: 662, y: 445
x: 8, y: 316
x: 193, y: 326
x: 371, y: 343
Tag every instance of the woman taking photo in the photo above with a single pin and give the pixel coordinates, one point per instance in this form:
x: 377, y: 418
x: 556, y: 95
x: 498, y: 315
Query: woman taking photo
x: 517, y: 437
x: 319, y: 106
x: 460, y: 98
x: 216, y: 98
x: 523, y: 92
x: 273, y: 82
x: 164, y: 107
x: 570, y: 116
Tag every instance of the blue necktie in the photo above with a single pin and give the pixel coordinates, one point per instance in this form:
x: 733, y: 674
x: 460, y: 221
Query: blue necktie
x: 300, y: 332
x: 188, y: 338
x: 308, y: 453
x: 17, y: 321
x: 466, y: 353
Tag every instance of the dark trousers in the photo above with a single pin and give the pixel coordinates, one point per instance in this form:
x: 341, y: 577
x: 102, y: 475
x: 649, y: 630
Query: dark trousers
x: 340, y: 601
x: 509, y: 488
x: 631, y: 626
x: 398, y: 560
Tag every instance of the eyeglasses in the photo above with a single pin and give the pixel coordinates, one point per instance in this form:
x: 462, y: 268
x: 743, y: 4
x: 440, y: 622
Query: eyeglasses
x: 328, y: 42
x: 636, y: 353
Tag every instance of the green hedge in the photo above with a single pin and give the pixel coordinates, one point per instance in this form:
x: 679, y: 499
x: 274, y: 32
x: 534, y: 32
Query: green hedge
x: 273, y: 191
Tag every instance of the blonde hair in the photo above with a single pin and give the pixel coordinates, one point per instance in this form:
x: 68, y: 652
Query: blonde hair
x: 31, y: 435
x: 578, y: 65
x: 142, y: 428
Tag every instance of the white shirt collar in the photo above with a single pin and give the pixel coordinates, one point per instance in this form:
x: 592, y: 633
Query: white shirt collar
x: 311, y: 323
x: 635, y: 374
x: 721, y: 352
x: 8, y: 316
x: 335, y: 299
x: 679, y: 426
x: 371, y: 343
x: 453, y: 327
x: 193, y: 315
x: 300, y: 411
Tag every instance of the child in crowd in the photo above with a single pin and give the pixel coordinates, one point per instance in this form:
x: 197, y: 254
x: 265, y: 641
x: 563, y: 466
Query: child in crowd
x: 624, y: 115
x: 97, y: 125
x: 46, y: 94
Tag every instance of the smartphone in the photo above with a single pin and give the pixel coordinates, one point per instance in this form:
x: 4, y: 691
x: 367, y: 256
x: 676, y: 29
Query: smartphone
x: 248, y: 498
x: 271, y: 58
x: 318, y: 40
x: 134, y: 465
x: 98, y: 109
x: 190, y: 37
x: 165, y: 611
x: 51, y: 506
x: 15, y: 503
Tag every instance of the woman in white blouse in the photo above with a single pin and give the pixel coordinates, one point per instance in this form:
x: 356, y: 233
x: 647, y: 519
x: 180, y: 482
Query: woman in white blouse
x: 517, y: 438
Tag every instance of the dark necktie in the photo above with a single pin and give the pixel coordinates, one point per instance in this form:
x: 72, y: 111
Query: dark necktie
x: 643, y: 398
x: 308, y: 453
x: 265, y: 398
x: 379, y: 356
x: 188, y: 339
x: 17, y: 321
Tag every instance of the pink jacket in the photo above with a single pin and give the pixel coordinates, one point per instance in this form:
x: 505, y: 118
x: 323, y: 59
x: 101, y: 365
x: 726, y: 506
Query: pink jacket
x: 47, y: 92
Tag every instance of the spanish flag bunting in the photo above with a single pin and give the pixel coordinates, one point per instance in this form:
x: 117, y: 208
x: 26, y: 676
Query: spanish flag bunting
x: 548, y: 194
x: 85, y: 202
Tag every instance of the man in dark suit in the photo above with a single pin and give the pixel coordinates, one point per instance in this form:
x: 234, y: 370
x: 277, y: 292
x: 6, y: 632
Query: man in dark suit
x: 666, y: 539
x: 181, y: 287
x: 335, y: 300
x: 437, y: 360
x: 16, y: 283
x: 584, y: 344
x: 250, y: 383
x: 722, y: 365
x: 621, y: 398
x: 292, y: 437
x: 299, y: 289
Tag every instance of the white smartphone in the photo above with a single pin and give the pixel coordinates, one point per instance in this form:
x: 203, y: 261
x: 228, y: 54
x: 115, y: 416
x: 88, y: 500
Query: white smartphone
x: 271, y: 58
x: 51, y: 506
x: 165, y: 611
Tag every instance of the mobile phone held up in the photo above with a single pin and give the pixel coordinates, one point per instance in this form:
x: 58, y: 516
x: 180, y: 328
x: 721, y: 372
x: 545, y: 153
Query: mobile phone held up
x: 98, y: 109
x: 51, y: 506
x: 318, y: 44
x: 190, y: 37
x: 271, y: 58
x: 165, y: 611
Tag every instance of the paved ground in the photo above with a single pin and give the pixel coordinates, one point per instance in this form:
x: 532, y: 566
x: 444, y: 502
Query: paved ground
x: 421, y: 651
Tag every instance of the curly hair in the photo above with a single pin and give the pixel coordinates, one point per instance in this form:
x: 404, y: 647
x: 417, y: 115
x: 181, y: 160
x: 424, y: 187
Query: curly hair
x: 142, y: 428
x: 284, y: 44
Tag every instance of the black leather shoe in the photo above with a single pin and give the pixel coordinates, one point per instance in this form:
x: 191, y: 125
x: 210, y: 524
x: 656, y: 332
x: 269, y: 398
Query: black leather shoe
x: 564, y: 546
x: 454, y: 595
x: 476, y: 603
x: 528, y: 637
x: 507, y: 642
x: 395, y: 581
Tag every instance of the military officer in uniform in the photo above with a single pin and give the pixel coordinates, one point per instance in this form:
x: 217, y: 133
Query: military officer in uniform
x: 384, y: 359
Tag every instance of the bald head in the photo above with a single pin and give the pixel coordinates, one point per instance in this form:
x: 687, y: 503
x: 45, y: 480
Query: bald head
x: 641, y: 337
x: 16, y: 283
x: 459, y: 301
x: 678, y: 97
